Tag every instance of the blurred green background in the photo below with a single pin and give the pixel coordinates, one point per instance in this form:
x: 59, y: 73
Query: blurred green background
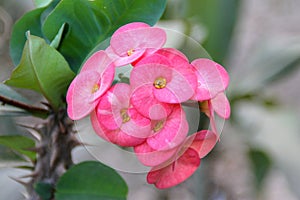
x: 258, y: 42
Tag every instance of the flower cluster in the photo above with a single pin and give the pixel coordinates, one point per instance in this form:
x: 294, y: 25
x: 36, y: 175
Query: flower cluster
x: 147, y: 114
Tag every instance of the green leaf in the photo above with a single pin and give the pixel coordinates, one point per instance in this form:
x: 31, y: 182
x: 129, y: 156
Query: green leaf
x: 91, y: 181
x: 44, y: 190
x: 19, y: 143
x: 32, y: 21
x: 42, y: 69
x: 29, y: 22
x: 261, y: 164
x: 41, y: 3
x: 91, y: 22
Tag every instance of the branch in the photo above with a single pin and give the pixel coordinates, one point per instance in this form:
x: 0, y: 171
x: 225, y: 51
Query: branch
x: 37, y: 111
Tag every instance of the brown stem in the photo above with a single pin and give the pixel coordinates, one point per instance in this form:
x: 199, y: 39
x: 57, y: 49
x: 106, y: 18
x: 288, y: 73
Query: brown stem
x: 53, y: 152
x: 37, y: 111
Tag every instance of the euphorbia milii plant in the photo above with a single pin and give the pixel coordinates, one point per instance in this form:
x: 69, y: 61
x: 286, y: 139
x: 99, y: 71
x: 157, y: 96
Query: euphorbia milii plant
x: 146, y: 113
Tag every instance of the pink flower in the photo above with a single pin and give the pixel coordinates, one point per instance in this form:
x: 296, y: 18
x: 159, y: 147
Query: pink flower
x: 157, y: 84
x: 174, y: 59
x: 94, y: 79
x: 185, y: 162
x: 212, y: 79
x: 117, y: 121
x: 147, y: 114
x: 131, y: 41
x: 166, y: 135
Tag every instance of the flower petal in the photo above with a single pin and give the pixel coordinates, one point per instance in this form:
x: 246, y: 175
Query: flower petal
x: 146, y: 74
x: 130, y: 26
x: 221, y: 105
x: 114, y: 136
x: 99, y: 62
x: 120, y: 61
x: 176, y: 172
x: 173, y: 132
x: 111, y: 104
x: 138, y: 126
x: 137, y: 39
x: 80, y: 97
x: 151, y: 157
x: 143, y: 100
x: 202, y: 142
x: 179, y: 89
x: 212, y: 79
x: 176, y: 57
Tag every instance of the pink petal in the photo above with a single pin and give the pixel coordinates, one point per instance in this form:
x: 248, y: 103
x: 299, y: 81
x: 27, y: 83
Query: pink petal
x: 166, y: 56
x: 80, y: 97
x: 152, y: 59
x: 98, y: 128
x: 109, y: 119
x: 138, y: 126
x: 114, y: 136
x: 176, y: 57
x: 173, y: 132
x: 179, y: 89
x: 151, y: 157
x: 124, y: 60
x: 123, y: 139
x: 202, y: 142
x: 146, y: 74
x: 180, y: 63
x: 99, y: 62
x: 115, y: 101
x: 143, y: 100
x: 207, y: 108
x: 176, y: 172
x: 183, y: 82
x: 147, y: 53
x: 130, y: 26
x: 137, y: 39
x: 110, y: 105
x: 107, y: 78
x: 212, y: 79
x: 221, y: 105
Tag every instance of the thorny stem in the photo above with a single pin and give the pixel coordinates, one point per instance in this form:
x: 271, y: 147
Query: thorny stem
x: 53, y: 152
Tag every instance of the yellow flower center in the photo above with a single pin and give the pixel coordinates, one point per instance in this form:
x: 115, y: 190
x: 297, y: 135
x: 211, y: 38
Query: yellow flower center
x: 95, y: 88
x: 124, y: 115
x: 160, y: 83
x: 130, y: 52
x: 158, y: 126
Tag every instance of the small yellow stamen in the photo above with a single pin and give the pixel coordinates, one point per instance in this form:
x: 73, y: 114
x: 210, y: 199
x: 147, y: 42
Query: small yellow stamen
x: 160, y: 83
x: 124, y: 115
x: 95, y: 88
x: 158, y: 126
x: 130, y: 52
